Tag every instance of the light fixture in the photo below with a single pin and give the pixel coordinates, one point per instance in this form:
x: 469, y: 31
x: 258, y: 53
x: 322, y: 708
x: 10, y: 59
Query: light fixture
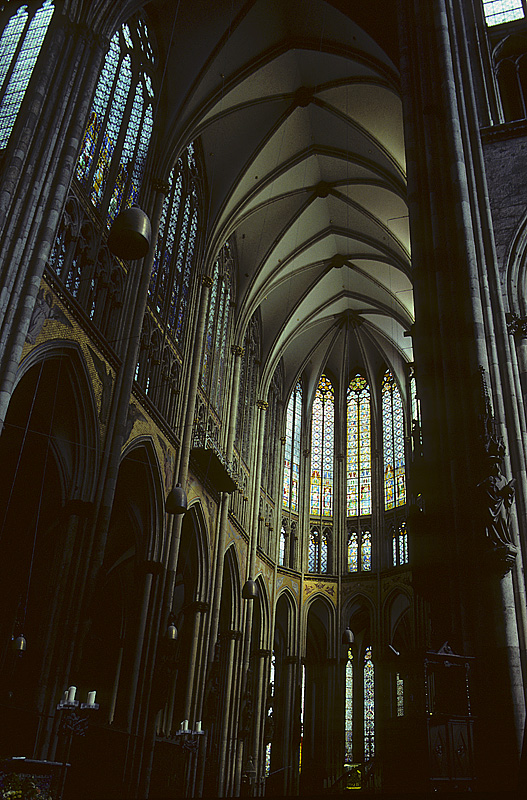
x: 176, y: 502
x: 348, y: 637
x: 130, y: 234
x: 19, y: 644
x: 171, y: 633
x: 250, y: 590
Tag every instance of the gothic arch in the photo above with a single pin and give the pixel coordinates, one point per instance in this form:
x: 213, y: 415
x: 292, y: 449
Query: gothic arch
x: 232, y: 569
x: 395, y: 607
x: 196, y: 516
x: 152, y: 542
x: 286, y: 599
x: 73, y: 369
x: 264, y: 610
x: 319, y: 607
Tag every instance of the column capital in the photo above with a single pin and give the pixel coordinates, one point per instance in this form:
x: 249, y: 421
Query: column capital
x: 262, y: 404
x: 236, y: 350
x: 517, y: 326
x: 160, y: 185
x: 200, y: 606
x: 263, y: 653
x: 234, y: 635
x: 206, y: 280
x: 282, y: 439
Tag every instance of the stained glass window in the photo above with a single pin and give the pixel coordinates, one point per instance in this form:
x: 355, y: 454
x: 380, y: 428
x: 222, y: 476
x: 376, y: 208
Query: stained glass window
x: 20, y: 46
x: 369, y: 706
x: 400, y: 545
x: 353, y: 551
x: 292, y: 449
x: 393, y: 444
x: 215, y: 350
x: 499, y: 11
x: 322, y: 436
x: 282, y: 546
x: 170, y: 282
x: 318, y: 551
x: 270, y: 713
x: 399, y: 694
x: 359, y: 550
x: 358, y: 482
x: 348, y: 713
x: 111, y: 165
x: 365, y: 551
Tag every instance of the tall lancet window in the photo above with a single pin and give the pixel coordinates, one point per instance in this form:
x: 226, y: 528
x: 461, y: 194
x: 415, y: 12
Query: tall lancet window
x: 20, y: 46
x: 369, y: 706
x: 348, y: 711
x: 172, y: 269
x: 358, y: 483
x: 215, y: 350
x: 499, y: 11
x: 318, y: 550
x: 292, y: 449
x: 393, y: 444
x: 115, y: 144
x: 322, y: 437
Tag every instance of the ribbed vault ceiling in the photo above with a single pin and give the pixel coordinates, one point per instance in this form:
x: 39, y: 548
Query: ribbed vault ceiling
x: 300, y: 118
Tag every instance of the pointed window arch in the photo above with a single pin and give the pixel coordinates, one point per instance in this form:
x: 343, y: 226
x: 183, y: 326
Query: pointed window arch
x: 393, y: 443
x: 359, y: 550
x: 292, y: 449
x: 282, y: 546
x: 20, y: 47
x: 318, y: 550
x: 348, y: 712
x: 176, y: 244
x: 399, y: 545
x: 215, y: 350
x: 115, y: 145
x: 500, y: 11
x: 322, y: 437
x: 369, y: 705
x: 358, y: 479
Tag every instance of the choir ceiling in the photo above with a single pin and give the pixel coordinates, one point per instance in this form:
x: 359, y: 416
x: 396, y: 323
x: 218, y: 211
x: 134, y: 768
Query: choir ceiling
x: 300, y: 116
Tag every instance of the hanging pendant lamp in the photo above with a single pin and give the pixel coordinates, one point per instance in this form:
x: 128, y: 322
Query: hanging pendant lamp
x: 130, y: 234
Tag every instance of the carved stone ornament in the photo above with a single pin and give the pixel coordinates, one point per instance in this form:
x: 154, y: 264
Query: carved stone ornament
x: 496, y: 497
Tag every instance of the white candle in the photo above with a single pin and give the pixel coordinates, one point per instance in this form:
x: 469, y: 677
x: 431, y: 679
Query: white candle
x: 91, y: 699
x: 198, y: 726
x: 65, y: 696
x: 184, y: 725
x: 71, y: 694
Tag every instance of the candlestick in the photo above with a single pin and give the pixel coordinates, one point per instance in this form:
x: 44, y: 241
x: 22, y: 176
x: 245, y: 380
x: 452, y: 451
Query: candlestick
x: 71, y: 694
x: 198, y: 727
x: 91, y: 699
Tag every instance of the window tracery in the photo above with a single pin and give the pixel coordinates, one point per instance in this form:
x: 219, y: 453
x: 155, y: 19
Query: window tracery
x: 171, y: 279
x: 20, y: 47
x: 322, y: 437
x: 393, y: 444
x: 115, y: 145
x: 292, y: 449
x: 216, y: 330
x: 369, y: 705
x: 318, y: 549
x: 358, y: 483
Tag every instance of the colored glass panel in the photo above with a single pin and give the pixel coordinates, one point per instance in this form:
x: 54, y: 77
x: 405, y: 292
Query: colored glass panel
x: 322, y: 435
x: 369, y: 705
x: 399, y: 690
x: 393, y: 444
x: 13, y: 94
x: 313, y: 551
x: 292, y: 449
x: 365, y: 551
x: 499, y: 11
x: 358, y: 482
x: 100, y: 104
x: 282, y: 547
x: 353, y: 552
x: 403, y: 544
x: 348, y: 714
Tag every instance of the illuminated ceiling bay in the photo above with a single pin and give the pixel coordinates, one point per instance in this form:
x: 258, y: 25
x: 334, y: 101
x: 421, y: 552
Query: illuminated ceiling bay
x: 303, y: 139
